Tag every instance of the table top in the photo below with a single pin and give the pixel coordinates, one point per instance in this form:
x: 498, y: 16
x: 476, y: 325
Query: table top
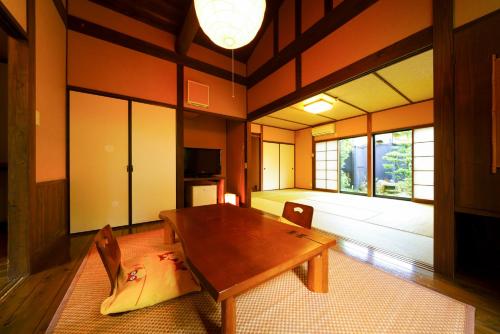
x: 232, y: 249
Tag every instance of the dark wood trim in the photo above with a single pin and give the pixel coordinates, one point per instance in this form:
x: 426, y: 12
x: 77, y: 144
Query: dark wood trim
x: 118, y: 38
x: 189, y: 29
x: 130, y: 167
x: 10, y: 25
x: 179, y: 133
x: 119, y: 96
x: 328, y: 6
x: 480, y: 20
x: 381, y: 78
x: 61, y: 10
x: 444, y: 214
x: 478, y: 212
x: 212, y: 114
x: 298, y: 72
x: 335, y: 19
x: 276, y: 33
x: 413, y: 44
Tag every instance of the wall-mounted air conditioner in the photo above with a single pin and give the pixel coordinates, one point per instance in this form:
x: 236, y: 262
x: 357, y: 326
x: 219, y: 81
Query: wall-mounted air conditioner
x: 326, y: 129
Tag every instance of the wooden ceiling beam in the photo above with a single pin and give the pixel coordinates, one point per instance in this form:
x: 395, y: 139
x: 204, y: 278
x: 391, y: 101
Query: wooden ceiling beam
x: 189, y: 29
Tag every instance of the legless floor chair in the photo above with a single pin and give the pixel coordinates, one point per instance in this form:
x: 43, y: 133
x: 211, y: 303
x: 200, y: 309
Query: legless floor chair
x: 298, y: 214
x: 152, y: 278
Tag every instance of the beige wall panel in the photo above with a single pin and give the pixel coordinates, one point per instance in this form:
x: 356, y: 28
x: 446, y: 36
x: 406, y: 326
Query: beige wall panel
x: 98, y: 160
x: 153, y: 158
x: 50, y: 93
x: 470, y: 10
x: 303, y: 164
x: 278, y: 135
x: 271, y: 166
x: 406, y: 116
x: 287, y: 166
x: 255, y: 128
x: 279, y: 123
x: 17, y: 9
x: 351, y: 127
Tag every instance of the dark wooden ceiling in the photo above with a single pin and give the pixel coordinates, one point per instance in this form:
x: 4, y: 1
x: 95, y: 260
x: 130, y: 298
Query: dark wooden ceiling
x: 169, y: 16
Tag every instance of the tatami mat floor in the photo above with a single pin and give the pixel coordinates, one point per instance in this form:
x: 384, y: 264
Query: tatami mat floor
x: 400, y: 227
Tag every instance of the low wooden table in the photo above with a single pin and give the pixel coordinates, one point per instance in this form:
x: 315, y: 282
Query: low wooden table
x: 232, y: 250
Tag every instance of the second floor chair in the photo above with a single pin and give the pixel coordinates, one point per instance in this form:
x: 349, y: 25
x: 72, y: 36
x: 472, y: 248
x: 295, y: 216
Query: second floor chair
x: 299, y: 214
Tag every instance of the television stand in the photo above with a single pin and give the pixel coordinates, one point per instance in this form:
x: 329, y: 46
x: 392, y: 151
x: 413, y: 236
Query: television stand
x: 218, y: 180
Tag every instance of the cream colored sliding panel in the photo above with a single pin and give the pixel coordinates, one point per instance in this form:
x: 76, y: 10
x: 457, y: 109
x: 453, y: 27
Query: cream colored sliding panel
x: 287, y: 166
x: 271, y: 166
x: 153, y: 159
x: 98, y: 162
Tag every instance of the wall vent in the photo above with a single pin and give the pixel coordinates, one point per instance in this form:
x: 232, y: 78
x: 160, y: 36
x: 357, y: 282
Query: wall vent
x: 327, y: 129
x: 198, y: 94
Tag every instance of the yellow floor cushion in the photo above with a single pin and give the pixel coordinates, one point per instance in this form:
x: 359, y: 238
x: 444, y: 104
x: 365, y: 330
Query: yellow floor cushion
x: 150, y: 280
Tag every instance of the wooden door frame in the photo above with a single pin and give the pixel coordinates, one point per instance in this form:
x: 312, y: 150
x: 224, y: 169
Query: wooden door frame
x: 21, y: 140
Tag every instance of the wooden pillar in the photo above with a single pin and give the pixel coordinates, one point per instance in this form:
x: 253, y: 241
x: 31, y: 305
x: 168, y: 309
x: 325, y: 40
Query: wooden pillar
x: 444, y: 215
x: 179, y: 114
x: 369, y: 153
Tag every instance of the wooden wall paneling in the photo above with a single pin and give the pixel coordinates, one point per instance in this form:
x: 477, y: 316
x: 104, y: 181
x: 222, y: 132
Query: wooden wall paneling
x: 51, y: 229
x: 115, y: 37
x: 179, y: 119
x: 21, y: 147
x: 61, y: 9
x: 477, y: 189
x: 10, y: 25
x: 444, y: 223
x: 235, y: 146
x: 398, y: 51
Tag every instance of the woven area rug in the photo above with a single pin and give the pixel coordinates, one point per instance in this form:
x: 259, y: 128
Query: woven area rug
x: 361, y: 299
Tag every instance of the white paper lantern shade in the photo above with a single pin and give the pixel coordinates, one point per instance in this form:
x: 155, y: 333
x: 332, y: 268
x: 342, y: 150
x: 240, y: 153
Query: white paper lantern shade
x: 230, y: 24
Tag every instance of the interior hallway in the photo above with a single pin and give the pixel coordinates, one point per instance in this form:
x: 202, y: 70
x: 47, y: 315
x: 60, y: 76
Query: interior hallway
x: 401, y: 227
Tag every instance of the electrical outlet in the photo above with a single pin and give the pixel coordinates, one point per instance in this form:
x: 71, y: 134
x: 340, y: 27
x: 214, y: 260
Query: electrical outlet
x: 37, y: 118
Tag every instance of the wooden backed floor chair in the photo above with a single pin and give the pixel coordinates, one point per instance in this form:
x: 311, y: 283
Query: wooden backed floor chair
x: 142, y: 281
x: 298, y: 214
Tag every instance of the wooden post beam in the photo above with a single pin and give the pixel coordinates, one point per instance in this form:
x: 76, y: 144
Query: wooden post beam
x: 188, y: 32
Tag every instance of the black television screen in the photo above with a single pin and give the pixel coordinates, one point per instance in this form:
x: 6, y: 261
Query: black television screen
x: 201, y: 162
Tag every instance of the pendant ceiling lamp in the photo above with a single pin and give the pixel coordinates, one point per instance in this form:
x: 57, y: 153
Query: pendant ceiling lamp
x: 230, y: 24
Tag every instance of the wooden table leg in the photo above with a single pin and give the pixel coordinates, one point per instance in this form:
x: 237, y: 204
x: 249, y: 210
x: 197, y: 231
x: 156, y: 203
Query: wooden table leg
x: 317, y: 272
x: 229, y: 316
x: 169, y: 234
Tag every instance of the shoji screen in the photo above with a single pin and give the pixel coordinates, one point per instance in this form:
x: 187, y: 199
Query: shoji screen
x: 423, y: 163
x: 271, y: 166
x: 287, y: 165
x: 153, y: 160
x: 98, y: 133
x: 326, y: 165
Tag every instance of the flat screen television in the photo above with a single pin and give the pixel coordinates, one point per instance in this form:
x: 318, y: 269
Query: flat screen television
x: 201, y: 162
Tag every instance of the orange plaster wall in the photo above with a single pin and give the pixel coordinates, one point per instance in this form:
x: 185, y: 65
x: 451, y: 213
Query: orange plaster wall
x: 211, y: 57
x: 50, y: 93
x: 96, y: 64
x: 17, y: 9
x: 467, y: 10
x: 221, y: 100
x: 382, y: 24
x: 206, y: 132
x: 405, y: 116
x: 303, y: 159
x: 286, y: 23
x: 270, y: 133
x: 350, y: 127
x: 262, y: 52
x: 113, y: 20
x: 312, y: 12
x: 255, y: 128
x: 272, y: 87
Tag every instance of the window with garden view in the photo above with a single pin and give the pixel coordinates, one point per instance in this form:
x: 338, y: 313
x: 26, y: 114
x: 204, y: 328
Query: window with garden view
x: 353, y: 165
x: 393, y: 164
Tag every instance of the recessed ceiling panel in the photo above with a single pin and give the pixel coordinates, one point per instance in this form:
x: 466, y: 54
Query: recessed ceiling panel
x: 301, y: 116
x: 413, y: 76
x: 266, y: 120
x: 369, y: 93
x: 342, y: 110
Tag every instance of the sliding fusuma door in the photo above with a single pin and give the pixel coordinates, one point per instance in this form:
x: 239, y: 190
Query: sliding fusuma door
x: 98, y: 162
x: 153, y: 161
x: 271, y: 166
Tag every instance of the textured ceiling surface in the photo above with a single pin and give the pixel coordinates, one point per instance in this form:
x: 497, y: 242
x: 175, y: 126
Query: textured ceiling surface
x: 406, y: 82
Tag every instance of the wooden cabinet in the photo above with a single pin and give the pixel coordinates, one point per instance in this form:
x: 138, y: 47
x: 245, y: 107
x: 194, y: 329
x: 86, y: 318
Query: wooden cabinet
x: 201, y: 194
